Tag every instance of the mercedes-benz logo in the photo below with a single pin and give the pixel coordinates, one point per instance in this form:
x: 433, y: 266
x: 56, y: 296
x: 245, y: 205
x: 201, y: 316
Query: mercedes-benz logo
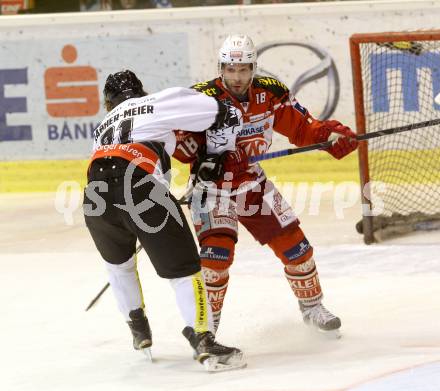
x: 326, y: 68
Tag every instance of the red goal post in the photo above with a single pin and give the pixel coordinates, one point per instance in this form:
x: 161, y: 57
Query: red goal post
x: 396, y: 77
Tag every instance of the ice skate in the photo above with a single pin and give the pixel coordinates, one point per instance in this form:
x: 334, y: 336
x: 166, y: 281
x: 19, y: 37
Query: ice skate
x: 321, y: 319
x: 213, y: 356
x: 141, y: 331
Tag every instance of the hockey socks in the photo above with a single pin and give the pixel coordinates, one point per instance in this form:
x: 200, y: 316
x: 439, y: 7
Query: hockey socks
x: 192, y: 302
x: 216, y: 296
x: 217, y: 254
x: 304, y: 281
x: 126, y: 287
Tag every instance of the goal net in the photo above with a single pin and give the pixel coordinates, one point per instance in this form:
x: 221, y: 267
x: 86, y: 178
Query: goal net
x: 396, y: 79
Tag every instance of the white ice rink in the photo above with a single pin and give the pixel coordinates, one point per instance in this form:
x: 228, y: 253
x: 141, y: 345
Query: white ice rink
x: 387, y: 295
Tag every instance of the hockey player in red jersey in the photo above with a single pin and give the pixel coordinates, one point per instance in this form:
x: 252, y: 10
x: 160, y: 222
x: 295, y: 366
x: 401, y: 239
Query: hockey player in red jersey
x: 253, y: 200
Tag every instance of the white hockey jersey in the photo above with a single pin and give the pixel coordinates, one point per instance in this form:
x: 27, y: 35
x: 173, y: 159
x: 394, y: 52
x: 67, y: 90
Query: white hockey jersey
x: 154, y: 117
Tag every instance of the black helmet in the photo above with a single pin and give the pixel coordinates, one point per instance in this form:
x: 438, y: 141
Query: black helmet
x: 121, y: 86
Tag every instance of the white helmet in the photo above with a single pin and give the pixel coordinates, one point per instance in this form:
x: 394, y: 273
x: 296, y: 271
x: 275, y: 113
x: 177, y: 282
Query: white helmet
x: 238, y: 49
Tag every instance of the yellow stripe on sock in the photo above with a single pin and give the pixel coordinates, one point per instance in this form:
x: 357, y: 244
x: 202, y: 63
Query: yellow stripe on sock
x: 201, y: 320
x: 139, y: 281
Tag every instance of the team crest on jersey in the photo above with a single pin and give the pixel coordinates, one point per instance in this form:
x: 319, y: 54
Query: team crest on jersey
x: 226, y: 126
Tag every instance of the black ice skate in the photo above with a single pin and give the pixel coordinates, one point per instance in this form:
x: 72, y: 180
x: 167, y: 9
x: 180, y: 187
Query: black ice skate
x: 211, y: 354
x: 141, y: 331
x: 321, y: 318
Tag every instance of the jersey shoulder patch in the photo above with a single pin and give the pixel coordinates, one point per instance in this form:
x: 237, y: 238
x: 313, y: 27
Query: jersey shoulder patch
x: 208, y: 88
x: 271, y: 84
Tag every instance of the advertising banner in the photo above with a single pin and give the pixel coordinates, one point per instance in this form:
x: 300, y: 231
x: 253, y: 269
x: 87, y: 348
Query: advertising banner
x: 12, y: 7
x: 51, y: 93
x: 53, y: 67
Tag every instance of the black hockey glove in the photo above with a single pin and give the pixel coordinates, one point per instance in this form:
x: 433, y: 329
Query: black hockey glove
x: 208, y: 167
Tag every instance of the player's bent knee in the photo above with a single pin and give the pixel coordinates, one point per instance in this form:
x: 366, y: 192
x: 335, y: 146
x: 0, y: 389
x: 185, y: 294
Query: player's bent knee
x: 292, y: 247
x: 217, y: 251
x: 216, y: 255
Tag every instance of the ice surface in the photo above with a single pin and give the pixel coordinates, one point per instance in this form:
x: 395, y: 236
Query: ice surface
x: 387, y: 296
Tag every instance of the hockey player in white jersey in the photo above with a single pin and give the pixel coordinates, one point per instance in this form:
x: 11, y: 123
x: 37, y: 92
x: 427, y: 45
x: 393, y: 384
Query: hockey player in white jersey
x: 127, y: 199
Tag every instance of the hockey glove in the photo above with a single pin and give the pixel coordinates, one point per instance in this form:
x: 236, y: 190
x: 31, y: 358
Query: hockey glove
x: 235, y: 162
x: 208, y: 167
x: 344, y: 139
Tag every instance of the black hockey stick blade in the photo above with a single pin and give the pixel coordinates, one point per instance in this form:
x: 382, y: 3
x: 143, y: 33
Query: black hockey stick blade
x: 101, y: 292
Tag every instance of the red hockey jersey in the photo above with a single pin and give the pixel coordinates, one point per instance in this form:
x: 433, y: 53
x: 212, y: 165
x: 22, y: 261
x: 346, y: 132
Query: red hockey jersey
x: 269, y: 108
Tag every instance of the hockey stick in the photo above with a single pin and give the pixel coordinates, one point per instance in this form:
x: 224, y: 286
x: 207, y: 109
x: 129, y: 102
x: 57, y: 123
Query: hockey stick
x: 184, y: 200
x: 101, y: 292
x: 327, y: 144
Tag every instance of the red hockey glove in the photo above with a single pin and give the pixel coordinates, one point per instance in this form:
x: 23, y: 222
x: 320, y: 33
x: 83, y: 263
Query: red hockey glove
x: 235, y: 161
x: 344, y: 139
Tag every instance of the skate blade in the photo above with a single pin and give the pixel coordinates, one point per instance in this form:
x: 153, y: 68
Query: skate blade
x: 331, y: 334
x: 221, y: 364
x: 147, y: 353
x: 328, y: 334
